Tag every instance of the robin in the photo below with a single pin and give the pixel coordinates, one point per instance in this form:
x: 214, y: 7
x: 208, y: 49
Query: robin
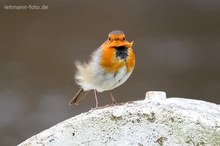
x: 110, y: 66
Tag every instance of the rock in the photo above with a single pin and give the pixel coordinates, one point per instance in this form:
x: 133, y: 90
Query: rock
x: 155, y: 121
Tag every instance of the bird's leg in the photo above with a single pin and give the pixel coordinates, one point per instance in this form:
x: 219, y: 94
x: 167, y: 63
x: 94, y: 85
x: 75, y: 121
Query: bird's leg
x: 96, y: 99
x: 113, y: 100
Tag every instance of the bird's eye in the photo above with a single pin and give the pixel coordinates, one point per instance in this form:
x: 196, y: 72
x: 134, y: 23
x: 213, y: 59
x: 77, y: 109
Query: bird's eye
x: 123, y: 38
x: 109, y: 39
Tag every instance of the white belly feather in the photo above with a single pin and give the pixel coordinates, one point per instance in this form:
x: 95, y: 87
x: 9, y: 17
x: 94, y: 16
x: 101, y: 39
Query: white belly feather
x: 108, y: 81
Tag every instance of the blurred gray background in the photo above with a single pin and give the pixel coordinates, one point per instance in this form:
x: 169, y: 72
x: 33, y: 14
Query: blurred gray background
x: 177, y: 47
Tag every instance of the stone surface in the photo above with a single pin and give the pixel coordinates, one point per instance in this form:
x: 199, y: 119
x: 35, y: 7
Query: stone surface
x: 155, y: 121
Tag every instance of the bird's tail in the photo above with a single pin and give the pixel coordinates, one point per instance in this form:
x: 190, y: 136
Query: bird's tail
x: 80, y: 95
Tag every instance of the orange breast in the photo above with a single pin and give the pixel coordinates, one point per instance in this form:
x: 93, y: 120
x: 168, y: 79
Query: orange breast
x: 112, y: 64
x: 131, y: 59
x: 108, y: 60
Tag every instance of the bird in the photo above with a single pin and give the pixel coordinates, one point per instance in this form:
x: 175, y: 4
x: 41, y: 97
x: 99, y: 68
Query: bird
x: 110, y: 66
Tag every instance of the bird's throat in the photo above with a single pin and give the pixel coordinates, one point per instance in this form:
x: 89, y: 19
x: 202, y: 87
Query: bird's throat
x: 121, y: 52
